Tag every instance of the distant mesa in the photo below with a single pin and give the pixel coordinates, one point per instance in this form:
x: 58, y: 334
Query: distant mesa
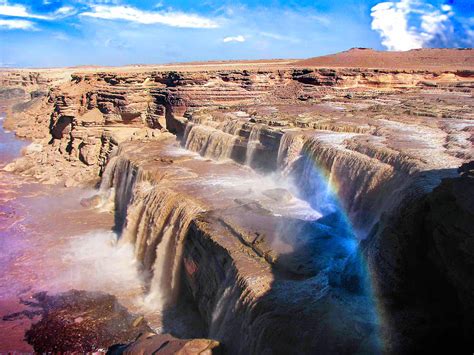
x: 417, y: 59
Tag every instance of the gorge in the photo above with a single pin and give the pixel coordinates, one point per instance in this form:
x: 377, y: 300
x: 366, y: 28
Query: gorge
x: 269, y: 207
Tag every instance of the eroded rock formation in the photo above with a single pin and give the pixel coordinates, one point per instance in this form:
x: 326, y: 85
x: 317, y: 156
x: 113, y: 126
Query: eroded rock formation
x: 299, y: 209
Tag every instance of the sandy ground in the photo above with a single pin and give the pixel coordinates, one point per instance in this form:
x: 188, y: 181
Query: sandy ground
x: 418, y: 59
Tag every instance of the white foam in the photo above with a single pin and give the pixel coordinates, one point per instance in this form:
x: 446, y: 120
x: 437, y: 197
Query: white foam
x: 95, y: 262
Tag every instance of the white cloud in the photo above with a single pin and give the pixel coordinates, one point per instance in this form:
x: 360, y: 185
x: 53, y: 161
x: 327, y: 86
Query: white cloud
x: 99, y: 2
x: 61, y: 36
x: 279, y: 37
x: 446, y: 7
x: 391, y: 19
x: 321, y: 19
x: 238, y: 38
x: 16, y: 25
x: 65, y: 11
x: 19, y: 11
x: 127, y: 13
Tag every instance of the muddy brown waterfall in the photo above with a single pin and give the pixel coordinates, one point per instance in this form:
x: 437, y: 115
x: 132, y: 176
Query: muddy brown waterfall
x: 270, y: 207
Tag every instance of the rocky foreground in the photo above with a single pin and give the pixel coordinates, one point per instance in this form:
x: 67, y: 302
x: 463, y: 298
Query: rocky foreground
x: 299, y: 209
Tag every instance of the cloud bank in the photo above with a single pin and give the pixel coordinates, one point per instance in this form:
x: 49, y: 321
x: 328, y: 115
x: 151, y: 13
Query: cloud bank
x: 409, y: 24
x: 17, y: 24
x: 18, y: 10
x: 128, y: 13
x: 118, y: 32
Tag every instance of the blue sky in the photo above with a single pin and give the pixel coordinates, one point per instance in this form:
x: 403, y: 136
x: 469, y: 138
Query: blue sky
x: 45, y: 33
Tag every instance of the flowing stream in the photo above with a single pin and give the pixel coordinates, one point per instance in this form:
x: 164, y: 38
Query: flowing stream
x: 48, y: 242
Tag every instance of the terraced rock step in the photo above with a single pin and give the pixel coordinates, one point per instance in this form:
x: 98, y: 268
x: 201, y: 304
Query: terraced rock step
x: 252, y: 253
x: 264, y: 194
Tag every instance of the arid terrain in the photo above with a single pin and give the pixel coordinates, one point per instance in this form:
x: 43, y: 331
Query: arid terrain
x: 286, y: 206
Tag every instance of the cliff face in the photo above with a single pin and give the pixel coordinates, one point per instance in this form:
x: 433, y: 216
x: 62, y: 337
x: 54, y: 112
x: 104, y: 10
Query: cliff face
x: 92, y: 108
x: 255, y: 205
x: 235, y: 257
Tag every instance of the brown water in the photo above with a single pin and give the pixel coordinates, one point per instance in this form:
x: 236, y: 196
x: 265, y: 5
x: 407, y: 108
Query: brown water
x: 48, y: 242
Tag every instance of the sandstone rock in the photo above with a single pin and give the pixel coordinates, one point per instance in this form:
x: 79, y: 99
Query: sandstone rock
x: 91, y: 117
x: 423, y: 253
x: 9, y: 167
x: 78, y: 321
x: 91, y: 202
x: 166, y: 344
x: 372, y: 143
x: 34, y: 148
x: 89, y: 153
x: 70, y: 182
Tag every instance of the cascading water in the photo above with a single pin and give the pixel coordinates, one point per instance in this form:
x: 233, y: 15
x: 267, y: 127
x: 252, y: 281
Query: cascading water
x: 233, y: 126
x: 158, y: 216
x: 156, y: 224
x: 253, y: 142
x: 209, y: 142
x: 327, y: 173
x: 106, y: 181
x: 289, y: 150
x: 124, y: 177
x: 159, y: 206
x: 168, y: 260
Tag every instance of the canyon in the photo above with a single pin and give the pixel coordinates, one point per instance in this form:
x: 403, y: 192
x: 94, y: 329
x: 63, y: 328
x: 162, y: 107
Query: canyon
x: 285, y: 206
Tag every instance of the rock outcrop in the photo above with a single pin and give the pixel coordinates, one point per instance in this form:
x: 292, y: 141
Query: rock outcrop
x: 249, y: 264
x: 260, y: 194
x: 78, y: 321
x: 166, y: 344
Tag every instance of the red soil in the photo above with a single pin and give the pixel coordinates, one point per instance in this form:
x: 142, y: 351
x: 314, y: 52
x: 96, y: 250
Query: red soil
x: 440, y: 59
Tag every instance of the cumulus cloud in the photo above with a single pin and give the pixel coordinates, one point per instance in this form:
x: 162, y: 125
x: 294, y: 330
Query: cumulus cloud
x: 128, y: 13
x: 409, y: 24
x: 238, y: 38
x: 17, y: 10
x: 17, y: 25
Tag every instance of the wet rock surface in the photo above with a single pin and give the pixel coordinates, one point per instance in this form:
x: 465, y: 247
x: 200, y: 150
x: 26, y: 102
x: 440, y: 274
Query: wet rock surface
x: 416, y: 118
x: 249, y: 264
x: 166, y: 344
x: 78, y: 321
x: 294, y: 209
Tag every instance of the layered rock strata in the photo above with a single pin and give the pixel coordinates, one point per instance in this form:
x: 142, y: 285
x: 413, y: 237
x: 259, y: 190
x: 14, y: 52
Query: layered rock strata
x: 354, y: 155
x: 249, y: 263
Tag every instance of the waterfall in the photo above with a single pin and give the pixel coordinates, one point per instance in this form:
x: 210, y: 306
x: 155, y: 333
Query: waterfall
x: 329, y: 174
x: 159, y: 211
x: 156, y: 224
x: 106, y: 181
x: 167, y: 267
x: 188, y: 128
x: 220, y: 145
x: 125, y: 175
x: 291, y: 145
x: 253, y: 142
x: 362, y: 184
x: 233, y: 126
x: 209, y: 142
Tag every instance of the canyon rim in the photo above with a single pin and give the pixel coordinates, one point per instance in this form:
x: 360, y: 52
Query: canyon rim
x: 306, y: 206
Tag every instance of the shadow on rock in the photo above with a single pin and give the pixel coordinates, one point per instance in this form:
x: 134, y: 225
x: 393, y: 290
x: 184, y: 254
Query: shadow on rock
x: 421, y: 259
